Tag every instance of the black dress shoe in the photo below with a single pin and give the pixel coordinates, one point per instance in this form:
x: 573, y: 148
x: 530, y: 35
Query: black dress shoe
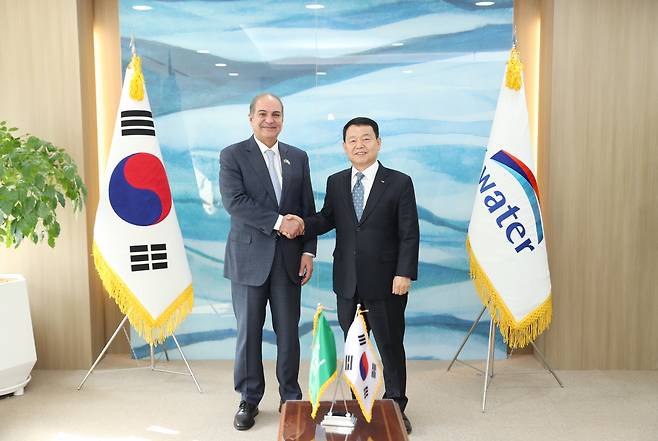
x: 281, y: 405
x: 407, y: 423
x: 245, y: 416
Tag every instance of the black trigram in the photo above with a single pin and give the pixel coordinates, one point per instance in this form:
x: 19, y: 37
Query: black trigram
x: 373, y: 371
x: 362, y: 339
x: 365, y: 391
x: 140, y: 257
x: 348, y: 362
x: 137, y: 122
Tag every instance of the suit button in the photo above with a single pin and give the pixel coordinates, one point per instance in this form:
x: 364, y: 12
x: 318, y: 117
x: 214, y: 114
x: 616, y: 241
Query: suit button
x: 358, y: 228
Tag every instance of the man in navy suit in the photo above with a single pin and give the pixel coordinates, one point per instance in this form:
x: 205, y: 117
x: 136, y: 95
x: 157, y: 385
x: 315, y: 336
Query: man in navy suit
x: 261, y: 180
x: 373, y: 209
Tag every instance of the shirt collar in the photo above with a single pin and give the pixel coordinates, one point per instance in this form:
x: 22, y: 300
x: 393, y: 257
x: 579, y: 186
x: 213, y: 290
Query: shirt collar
x: 263, y: 147
x: 369, y: 172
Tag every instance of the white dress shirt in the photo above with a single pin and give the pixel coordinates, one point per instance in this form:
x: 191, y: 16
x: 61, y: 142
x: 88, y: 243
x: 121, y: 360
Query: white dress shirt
x: 367, y: 181
x: 277, y: 157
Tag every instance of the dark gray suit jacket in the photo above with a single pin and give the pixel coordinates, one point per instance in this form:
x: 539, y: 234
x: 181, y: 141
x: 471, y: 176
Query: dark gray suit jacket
x: 248, y: 196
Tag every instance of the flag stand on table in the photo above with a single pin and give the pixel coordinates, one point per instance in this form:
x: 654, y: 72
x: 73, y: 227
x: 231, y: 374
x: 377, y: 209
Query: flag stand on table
x: 361, y: 372
x: 138, y: 247
x: 322, y: 371
x: 507, y: 250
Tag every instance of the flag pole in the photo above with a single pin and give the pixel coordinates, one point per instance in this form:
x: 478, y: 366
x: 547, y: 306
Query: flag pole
x: 347, y: 422
x: 470, y: 331
x: 151, y: 357
x: 546, y: 365
x: 107, y: 345
x: 489, y: 367
x: 340, y: 375
x: 490, y: 362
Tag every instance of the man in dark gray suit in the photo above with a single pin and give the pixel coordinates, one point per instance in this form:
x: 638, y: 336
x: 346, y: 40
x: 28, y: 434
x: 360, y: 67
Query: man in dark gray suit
x: 261, y: 180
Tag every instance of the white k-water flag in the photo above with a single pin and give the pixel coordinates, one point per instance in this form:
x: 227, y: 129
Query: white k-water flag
x: 506, y: 239
x: 138, y: 247
x: 361, y: 370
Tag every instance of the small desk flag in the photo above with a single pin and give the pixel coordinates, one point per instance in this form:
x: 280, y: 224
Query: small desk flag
x: 138, y: 246
x: 323, y: 360
x: 506, y: 242
x: 361, y: 370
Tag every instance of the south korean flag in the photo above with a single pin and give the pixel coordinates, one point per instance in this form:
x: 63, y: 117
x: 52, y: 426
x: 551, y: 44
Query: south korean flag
x: 360, y: 368
x: 138, y: 246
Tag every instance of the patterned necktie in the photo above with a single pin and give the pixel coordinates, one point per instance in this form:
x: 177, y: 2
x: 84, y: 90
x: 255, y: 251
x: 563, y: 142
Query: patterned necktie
x: 269, y: 154
x: 357, y: 195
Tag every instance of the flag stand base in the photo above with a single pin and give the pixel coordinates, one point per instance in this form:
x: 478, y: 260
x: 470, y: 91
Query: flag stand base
x: 152, y: 357
x: 489, y: 369
x: 338, y: 422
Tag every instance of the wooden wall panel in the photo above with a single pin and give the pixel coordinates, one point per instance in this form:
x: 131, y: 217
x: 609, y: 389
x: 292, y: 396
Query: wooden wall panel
x: 527, y: 19
x: 527, y: 31
x: 42, y: 94
x: 88, y: 106
x: 107, y: 43
x: 602, y: 151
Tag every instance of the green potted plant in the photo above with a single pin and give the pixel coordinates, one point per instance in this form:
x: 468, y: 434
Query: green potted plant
x: 35, y: 178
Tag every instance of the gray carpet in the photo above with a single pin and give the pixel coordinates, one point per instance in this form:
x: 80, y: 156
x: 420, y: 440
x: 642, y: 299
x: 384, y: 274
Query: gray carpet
x: 524, y: 403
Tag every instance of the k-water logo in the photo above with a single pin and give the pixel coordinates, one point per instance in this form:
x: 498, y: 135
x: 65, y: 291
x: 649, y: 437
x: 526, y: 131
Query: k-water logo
x: 496, y: 201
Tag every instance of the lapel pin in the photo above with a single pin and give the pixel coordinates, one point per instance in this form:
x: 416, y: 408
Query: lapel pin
x: 285, y: 161
x: 382, y: 181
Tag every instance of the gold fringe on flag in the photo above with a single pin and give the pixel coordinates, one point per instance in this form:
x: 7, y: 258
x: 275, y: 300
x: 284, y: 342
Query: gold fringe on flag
x: 321, y: 392
x: 516, y: 334
x: 514, y: 69
x: 137, y: 81
x: 152, y: 331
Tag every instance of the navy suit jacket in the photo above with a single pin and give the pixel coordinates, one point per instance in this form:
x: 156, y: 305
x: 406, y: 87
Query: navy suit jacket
x: 248, y: 197
x: 382, y: 245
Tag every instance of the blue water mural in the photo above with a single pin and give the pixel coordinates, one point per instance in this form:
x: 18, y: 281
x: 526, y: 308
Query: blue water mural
x: 428, y: 71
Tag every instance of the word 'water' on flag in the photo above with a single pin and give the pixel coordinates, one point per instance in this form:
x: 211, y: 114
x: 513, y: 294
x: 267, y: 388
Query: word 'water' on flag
x: 323, y: 360
x: 360, y: 368
x: 506, y: 243
x: 138, y: 247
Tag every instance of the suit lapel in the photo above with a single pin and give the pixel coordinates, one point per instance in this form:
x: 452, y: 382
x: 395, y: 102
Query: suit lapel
x: 285, y: 171
x: 346, y: 187
x: 258, y: 163
x: 378, y: 188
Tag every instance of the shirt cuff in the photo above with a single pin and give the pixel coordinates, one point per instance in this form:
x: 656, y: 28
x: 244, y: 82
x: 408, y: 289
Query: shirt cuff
x: 277, y: 225
x: 310, y: 254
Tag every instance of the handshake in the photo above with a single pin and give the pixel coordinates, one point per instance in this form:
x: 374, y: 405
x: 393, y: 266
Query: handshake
x: 291, y: 226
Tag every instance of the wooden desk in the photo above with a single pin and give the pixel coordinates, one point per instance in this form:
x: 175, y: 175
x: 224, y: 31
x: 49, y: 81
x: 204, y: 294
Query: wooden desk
x: 386, y: 424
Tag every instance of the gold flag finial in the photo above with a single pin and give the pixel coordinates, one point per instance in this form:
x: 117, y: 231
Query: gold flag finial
x: 137, y: 81
x: 514, y: 69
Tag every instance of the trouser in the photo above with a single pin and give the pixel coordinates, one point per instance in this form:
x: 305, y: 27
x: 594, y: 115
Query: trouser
x: 249, y: 303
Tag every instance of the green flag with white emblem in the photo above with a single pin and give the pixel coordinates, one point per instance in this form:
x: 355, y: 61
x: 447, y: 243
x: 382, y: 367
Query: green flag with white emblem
x: 323, y: 360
